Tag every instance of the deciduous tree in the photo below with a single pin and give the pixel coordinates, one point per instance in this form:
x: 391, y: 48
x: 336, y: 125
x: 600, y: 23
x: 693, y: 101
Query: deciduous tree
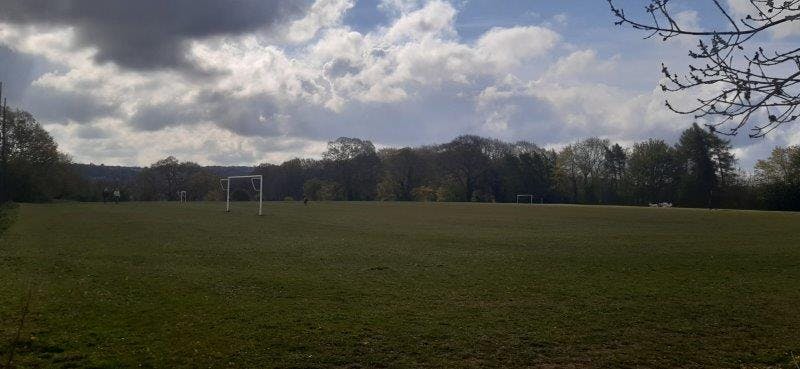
x: 651, y: 172
x: 748, y: 80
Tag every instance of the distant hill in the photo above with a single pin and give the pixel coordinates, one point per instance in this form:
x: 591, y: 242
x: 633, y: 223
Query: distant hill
x: 107, y: 172
x: 230, y: 171
x: 126, y: 174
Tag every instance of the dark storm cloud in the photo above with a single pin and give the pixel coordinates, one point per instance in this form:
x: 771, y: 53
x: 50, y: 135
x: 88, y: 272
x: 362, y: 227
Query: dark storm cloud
x: 91, y: 133
x: 60, y: 107
x: 157, y: 117
x: 150, y: 34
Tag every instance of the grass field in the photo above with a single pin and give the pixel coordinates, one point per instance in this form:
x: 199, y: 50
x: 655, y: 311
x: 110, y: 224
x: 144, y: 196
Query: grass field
x: 359, y: 285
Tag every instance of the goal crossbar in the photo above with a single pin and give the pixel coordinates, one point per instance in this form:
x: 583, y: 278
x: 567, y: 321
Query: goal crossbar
x: 226, y: 185
x: 530, y: 197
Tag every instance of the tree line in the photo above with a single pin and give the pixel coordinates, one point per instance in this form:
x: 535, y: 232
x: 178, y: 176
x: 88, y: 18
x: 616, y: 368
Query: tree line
x: 697, y: 171
x: 32, y: 169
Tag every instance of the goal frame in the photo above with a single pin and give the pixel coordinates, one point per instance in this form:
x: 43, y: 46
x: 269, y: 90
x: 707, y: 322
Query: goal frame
x: 183, y: 196
x: 226, y: 185
x: 525, y: 195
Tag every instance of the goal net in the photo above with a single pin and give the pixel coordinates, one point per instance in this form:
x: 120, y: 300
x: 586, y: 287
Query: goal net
x: 256, y: 181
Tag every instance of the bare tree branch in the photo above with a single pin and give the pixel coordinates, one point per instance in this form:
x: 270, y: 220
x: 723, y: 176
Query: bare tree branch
x: 754, y: 86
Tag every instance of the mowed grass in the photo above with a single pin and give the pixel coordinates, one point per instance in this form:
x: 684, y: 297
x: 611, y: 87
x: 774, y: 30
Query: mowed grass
x: 360, y: 285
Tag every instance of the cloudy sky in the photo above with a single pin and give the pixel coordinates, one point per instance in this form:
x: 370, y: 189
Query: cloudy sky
x: 248, y: 81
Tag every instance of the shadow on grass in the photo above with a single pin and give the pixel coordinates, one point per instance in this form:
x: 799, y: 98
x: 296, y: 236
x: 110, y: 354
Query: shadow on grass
x: 8, y: 212
x: 16, y: 341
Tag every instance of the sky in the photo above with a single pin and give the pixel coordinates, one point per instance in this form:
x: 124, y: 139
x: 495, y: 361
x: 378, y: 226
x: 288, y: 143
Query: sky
x: 243, y: 82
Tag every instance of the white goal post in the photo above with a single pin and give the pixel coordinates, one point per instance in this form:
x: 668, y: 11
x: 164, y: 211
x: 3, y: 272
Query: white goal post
x: 530, y: 198
x: 183, y: 196
x: 226, y: 185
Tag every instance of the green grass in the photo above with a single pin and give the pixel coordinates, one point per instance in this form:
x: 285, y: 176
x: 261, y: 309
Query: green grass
x: 361, y: 285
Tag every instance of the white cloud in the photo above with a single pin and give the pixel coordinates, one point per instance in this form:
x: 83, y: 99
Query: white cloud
x: 741, y: 8
x: 435, y: 19
x: 582, y: 64
x: 54, y: 44
x: 413, y: 80
x: 205, y: 143
x: 574, y: 100
x: 688, y: 20
x: 399, y: 6
x: 510, y: 47
x: 323, y: 14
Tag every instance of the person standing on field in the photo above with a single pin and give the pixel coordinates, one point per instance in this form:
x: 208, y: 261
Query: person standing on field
x: 116, y: 195
x: 105, y: 194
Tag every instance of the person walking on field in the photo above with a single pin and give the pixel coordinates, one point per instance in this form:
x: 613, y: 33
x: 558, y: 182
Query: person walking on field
x: 105, y: 194
x: 116, y: 195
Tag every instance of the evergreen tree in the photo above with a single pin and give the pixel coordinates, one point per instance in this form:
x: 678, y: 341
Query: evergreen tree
x: 705, y: 165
